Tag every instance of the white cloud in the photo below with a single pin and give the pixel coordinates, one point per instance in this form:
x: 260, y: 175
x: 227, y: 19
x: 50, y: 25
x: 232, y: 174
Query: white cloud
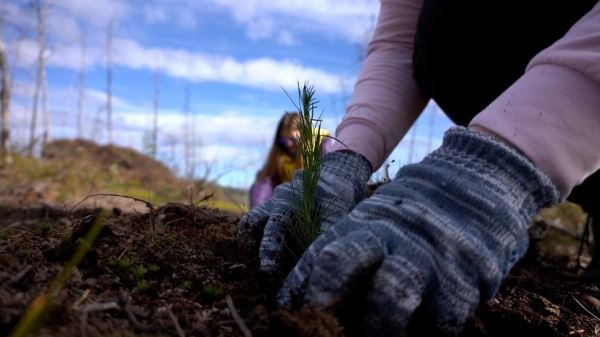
x: 185, y: 18
x: 263, y: 73
x: 230, y: 128
x: 347, y: 18
x: 17, y: 16
x: 154, y: 14
x: 63, y: 28
x: 98, y: 13
x: 261, y: 28
x: 286, y: 38
x: 264, y: 19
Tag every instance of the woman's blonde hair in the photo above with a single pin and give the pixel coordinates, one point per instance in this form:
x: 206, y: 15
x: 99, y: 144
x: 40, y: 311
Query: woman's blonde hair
x: 273, y: 167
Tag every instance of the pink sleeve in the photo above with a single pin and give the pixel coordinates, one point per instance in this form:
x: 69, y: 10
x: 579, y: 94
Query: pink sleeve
x: 386, y: 99
x: 552, y: 113
x: 260, y: 192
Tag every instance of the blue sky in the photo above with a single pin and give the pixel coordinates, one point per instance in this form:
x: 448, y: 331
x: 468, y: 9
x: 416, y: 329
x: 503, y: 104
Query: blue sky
x: 232, y: 56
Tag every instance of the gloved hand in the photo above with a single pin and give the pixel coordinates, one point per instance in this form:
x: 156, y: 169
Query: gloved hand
x: 342, y: 184
x: 439, y: 237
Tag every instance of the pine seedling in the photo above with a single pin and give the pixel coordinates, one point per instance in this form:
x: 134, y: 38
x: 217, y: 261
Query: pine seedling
x: 33, y: 316
x: 307, y: 215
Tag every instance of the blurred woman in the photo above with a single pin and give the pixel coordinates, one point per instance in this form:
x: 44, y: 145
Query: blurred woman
x: 283, y: 159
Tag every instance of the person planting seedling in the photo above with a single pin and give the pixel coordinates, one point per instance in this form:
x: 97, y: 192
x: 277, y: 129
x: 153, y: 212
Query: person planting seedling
x: 428, y: 247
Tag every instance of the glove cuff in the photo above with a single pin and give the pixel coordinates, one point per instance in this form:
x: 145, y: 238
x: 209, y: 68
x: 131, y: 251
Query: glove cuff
x: 502, y: 168
x: 351, y: 167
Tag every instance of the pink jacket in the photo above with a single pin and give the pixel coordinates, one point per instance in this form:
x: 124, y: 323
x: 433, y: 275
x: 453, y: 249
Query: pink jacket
x: 551, y: 114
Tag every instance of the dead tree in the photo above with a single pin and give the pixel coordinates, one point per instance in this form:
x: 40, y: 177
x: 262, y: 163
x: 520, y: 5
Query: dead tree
x: 46, y: 133
x: 411, y: 146
x: 41, y: 12
x: 4, y: 100
x: 81, y: 88
x: 189, y: 148
x: 154, y: 148
x: 109, y: 36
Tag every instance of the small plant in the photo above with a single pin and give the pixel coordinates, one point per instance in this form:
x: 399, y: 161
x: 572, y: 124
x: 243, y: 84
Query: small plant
x: 186, y: 285
x: 25, y: 253
x: 125, y: 263
x: 45, y: 228
x: 142, y: 286
x: 153, y: 268
x: 307, y: 225
x: 112, y: 262
x: 212, y: 291
x: 5, y: 234
x: 140, y: 272
x: 41, y: 304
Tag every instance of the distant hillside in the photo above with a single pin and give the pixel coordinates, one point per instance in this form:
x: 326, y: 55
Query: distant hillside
x: 70, y: 170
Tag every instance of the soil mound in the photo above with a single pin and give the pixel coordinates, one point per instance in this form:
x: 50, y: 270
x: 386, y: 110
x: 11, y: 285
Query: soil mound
x: 127, y: 161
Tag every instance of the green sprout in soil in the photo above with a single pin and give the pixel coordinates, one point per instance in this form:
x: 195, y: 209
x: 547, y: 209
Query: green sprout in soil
x: 112, y: 262
x: 186, y: 285
x: 142, y: 286
x: 5, y: 234
x: 153, y: 268
x: 306, y: 227
x: 45, y: 228
x: 41, y: 304
x: 125, y: 263
x: 25, y: 253
x: 212, y: 291
x: 140, y: 272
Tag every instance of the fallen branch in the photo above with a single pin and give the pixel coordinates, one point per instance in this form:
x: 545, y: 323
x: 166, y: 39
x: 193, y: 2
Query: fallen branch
x: 147, y: 203
x: 126, y: 299
x: 584, y: 308
x: 203, y: 199
x: 80, y: 300
x: 237, y: 318
x: 21, y: 274
x: 175, y: 322
x: 98, y: 306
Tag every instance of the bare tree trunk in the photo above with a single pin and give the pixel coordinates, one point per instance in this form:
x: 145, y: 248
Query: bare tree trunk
x: 193, y: 144
x: 109, y: 81
x: 4, y: 101
x: 46, y: 133
x: 154, y: 150
x: 411, y: 148
x: 189, y: 148
x: 81, y: 89
x: 186, y: 133
x: 431, y: 128
x: 41, y: 9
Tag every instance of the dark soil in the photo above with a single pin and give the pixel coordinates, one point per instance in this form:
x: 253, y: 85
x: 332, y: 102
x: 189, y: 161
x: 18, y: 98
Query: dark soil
x: 180, y: 271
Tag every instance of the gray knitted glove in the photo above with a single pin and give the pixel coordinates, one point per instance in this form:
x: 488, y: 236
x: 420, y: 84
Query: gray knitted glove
x: 342, y: 184
x: 440, y: 237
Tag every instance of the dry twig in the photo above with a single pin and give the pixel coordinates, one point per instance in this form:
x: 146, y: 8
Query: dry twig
x: 21, y: 274
x: 126, y: 299
x: 584, y: 308
x: 147, y: 203
x: 80, y: 300
x: 203, y: 199
x: 99, y: 306
x: 237, y: 318
x: 175, y: 322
